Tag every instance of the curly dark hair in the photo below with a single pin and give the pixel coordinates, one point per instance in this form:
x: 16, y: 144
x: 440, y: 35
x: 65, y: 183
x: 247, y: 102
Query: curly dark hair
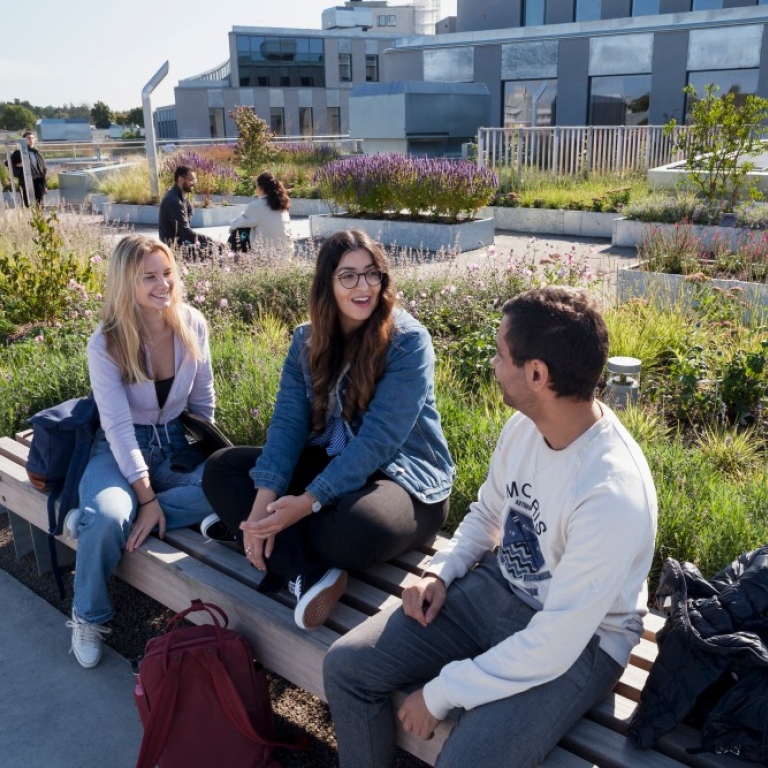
x: 564, y: 329
x: 277, y: 197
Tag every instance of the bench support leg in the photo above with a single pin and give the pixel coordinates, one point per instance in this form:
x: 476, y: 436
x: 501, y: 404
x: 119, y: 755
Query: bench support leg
x: 28, y: 538
x: 22, y: 535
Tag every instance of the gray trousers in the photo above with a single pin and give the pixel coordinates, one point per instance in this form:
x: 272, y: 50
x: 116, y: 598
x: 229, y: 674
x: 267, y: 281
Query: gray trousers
x: 391, y: 651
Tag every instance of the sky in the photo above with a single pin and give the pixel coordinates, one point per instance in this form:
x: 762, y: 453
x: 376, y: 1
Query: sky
x: 81, y: 51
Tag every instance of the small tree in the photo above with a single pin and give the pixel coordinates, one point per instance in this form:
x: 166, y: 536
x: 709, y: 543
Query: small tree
x: 254, y: 149
x: 15, y: 117
x: 721, y: 135
x: 101, y: 115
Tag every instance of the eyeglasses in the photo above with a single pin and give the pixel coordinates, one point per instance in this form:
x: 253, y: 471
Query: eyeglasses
x: 351, y: 279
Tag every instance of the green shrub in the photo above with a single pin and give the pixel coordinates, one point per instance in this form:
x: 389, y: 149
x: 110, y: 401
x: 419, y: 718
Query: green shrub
x: 45, y: 287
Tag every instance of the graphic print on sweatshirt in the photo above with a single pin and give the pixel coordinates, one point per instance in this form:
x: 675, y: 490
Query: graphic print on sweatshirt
x: 520, y: 553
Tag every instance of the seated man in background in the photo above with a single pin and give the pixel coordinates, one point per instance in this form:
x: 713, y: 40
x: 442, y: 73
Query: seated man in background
x: 527, y: 619
x: 176, y: 214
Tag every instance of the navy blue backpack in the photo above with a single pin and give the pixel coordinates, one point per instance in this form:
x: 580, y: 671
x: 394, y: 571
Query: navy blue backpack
x: 62, y: 438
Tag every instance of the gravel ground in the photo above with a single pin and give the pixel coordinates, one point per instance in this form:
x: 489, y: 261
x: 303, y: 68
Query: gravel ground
x: 138, y: 618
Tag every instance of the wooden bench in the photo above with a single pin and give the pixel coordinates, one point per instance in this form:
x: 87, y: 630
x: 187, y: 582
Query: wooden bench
x: 186, y: 566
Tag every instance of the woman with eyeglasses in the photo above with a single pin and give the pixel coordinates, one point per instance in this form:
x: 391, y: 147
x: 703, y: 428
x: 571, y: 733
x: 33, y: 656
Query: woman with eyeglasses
x: 355, y: 469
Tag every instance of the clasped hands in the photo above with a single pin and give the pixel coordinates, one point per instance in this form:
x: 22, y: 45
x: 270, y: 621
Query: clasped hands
x: 267, y: 520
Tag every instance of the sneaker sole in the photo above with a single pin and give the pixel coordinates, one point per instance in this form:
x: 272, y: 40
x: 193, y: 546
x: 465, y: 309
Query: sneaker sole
x: 316, y: 606
x: 214, y: 529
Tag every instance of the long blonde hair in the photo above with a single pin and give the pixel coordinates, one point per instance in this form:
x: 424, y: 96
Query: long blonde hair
x: 121, y: 319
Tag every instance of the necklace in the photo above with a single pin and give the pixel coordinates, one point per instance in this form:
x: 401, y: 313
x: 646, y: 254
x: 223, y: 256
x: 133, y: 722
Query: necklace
x: 152, y: 342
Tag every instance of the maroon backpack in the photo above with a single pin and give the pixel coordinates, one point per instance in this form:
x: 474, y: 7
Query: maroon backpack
x: 203, y: 699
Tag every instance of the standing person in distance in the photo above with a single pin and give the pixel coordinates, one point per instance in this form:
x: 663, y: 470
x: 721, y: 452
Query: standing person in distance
x: 527, y: 619
x: 356, y: 469
x: 37, y: 169
x: 267, y: 216
x: 148, y: 360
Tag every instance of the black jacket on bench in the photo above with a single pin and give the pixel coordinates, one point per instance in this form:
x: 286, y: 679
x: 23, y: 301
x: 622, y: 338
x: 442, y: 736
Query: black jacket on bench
x: 712, y: 664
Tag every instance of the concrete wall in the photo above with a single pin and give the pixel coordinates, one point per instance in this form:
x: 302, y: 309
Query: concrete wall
x: 668, y: 76
x: 572, y: 81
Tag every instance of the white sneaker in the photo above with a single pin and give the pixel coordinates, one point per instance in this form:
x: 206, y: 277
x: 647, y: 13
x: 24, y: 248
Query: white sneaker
x: 71, y: 521
x: 214, y: 529
x: 315, y: 600
x: 86, y: 641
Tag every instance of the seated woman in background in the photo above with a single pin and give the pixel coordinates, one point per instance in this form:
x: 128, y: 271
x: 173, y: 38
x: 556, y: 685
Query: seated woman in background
x: 355, y: 469
x: 267, y: 216
x: 148, y: 360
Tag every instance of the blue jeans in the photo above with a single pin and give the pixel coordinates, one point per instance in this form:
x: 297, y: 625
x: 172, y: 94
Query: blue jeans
x: 108, y: 507
x: 391, y: 651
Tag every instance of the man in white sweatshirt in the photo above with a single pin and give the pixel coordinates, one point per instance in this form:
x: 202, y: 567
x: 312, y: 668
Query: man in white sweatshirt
x: 527, y: 619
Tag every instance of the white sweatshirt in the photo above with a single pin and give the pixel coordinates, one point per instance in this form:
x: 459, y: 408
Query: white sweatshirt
x: 575, y: 530
x: 267, y: 226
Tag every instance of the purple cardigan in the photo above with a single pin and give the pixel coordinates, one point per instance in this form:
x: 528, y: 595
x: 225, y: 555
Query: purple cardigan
x: 122, y: 405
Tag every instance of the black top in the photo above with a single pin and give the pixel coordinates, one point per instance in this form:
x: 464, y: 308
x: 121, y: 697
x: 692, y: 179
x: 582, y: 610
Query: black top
x: 163, y: 389
x: 175, y: 215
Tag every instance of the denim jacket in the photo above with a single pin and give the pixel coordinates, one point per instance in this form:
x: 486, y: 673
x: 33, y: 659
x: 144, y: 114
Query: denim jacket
x: 399, y: 433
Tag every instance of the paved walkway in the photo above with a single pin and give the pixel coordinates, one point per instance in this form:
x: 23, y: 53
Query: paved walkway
x: 56, y: 714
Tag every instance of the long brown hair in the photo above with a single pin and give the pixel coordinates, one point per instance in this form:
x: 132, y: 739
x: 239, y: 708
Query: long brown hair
x: 330, y: 350
x: 277, y: 197
x: 121, y: 320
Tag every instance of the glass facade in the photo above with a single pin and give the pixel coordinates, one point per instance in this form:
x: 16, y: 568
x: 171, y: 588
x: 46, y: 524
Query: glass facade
x: 707, y: 5
x: 277, y: 120
x: 280, y: 62
x: 371, y: 68
x: 619, y: 100
x: 334, y: 121
x: 588, y: 10
x: 533, y: 13
x: 646, y: 7
x: 519, y: 96
x: 306, y: 122
x: 345, y: 67
x: 741, y: 82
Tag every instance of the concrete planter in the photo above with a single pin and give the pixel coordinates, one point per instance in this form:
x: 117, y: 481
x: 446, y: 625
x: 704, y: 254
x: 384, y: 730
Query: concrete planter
x: 426, y: 236
x: 545, y: 221
x: 305, y: 206
x: 215, y: 216
x: 666, y: 290
x: 631, y: 234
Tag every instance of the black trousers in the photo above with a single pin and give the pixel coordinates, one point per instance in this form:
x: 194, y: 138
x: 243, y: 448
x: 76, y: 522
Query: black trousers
x: 371, y: 525
x: 38, y: 187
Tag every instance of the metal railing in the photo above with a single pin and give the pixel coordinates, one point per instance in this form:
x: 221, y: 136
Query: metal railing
x: 578, y: 150
x: 118, y: 149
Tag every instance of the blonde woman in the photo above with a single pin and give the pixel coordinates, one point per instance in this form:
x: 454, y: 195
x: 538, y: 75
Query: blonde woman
x: 148, y: 360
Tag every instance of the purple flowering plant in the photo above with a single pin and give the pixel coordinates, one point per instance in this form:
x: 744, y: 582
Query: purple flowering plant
x: 387, y: 185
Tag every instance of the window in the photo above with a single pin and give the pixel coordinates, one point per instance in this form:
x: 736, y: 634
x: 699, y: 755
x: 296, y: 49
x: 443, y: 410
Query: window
x: 334, y: 121
x: 533, y: 13
x: 345, y: 67
x: 306, y: 127
x: 587, y: 10
x: 381, y: 21
x: 646, y: 7
x: 619, y: 100
x: 741, y: 82
x: 216, y: 122
x: 523, y: 98
x: 390, y: 20
x: 371, y: 68
x: 277, y: 120
x: 280, y: 62
x: 707, y: 5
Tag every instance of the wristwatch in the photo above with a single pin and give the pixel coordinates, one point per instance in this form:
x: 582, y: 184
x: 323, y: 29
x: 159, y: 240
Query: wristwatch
x: 316, y: 505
